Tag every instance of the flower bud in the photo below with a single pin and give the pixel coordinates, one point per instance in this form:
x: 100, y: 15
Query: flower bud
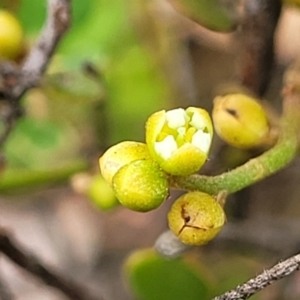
x: 196, y: 218
x: 101, y: 194
x: 120, y: 155
x: 240, y: 121
x: 179, y: 140
x: 11, y: 36
x: 141, y: 185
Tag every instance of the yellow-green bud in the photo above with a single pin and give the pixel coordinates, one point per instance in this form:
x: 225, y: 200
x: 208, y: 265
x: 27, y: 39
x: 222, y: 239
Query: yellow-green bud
x: 11, y: 36
x: 101, y: 194
x: 179, y: 140
x: 96, y: 189
x: 196, y: 218
x: 240, y: 121
x: 120, y: 155
x: 141, y: 185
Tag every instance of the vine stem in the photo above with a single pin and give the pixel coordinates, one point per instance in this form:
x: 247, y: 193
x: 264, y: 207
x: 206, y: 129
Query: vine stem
x: 257, y: 168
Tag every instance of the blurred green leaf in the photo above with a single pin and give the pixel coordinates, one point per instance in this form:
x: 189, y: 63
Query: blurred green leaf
x: 37, y: 144
x: 32, y: 14
x: 151, y: 277
x: 23, y: 180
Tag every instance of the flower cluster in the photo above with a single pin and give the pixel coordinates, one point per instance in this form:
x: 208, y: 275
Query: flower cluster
x: 177, y: 144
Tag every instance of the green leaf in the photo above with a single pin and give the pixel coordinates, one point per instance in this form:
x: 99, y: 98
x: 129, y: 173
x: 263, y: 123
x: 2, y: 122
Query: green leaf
x: 152, y: 277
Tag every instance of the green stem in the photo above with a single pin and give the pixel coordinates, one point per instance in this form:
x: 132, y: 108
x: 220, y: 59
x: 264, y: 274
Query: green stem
x: 257, y: 168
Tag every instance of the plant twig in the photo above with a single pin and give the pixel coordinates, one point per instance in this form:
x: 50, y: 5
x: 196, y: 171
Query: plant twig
x: 57, y: 23
x: 14, y: 81
x: 32, y: 265
x: 261, y: 281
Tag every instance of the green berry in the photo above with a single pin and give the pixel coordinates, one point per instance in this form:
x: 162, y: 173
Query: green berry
x: 101, y: 194
x: 11, y: 36
x: 141, y: 185
x: 120, y: 155
x: 196, y: 218
x: 240, y: 121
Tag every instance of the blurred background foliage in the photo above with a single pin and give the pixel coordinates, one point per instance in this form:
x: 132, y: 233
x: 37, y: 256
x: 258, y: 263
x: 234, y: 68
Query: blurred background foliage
x: 121, y: 61
x: 103, y: 80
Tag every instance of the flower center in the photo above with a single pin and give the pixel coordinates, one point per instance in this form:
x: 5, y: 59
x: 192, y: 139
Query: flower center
x: 182, y: 127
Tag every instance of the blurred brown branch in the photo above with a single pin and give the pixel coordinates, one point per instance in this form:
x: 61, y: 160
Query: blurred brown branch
x: 257, y: 42
x: 15, y: 81
x: 32, y: 265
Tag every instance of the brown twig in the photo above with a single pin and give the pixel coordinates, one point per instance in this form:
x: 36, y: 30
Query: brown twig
x: 261, y: 281
x: 15, y: 81
x: 32, y: 265
x: 57, y: 23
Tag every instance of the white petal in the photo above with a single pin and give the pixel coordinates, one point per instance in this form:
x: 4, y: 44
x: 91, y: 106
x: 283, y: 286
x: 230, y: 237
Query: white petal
x: 176, y: 118
x: 198, y: 121
x: 166, y: 147
x: 202, y: 140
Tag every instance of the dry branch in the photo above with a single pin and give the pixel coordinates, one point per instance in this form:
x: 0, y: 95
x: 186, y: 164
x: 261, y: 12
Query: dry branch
x: 15, y: 81
x: 261, y: 281
x: 31, y: 264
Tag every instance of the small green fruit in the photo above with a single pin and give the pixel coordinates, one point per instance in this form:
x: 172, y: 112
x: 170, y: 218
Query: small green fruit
x: 11, y: 36
x: 120, y: 155
x: 179, y: 140
x: 141, y: 185
x: 101, y: 194
x: 96, y: 189
x: 240, y: 121
x: 196, y: 218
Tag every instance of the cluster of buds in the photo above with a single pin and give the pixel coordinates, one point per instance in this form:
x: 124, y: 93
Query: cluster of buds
x: 177, y: 144
x: 138, y: 182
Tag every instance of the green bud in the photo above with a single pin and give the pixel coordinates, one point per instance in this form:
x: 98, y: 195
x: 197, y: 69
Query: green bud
x: 179, y: 140
x: 11, y: 36
x: 101, y: 194
x: 196, y: 218
x: 98, y: 191
x: 120, y: 155
x: 141, y: 185
x: 240, y: 121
